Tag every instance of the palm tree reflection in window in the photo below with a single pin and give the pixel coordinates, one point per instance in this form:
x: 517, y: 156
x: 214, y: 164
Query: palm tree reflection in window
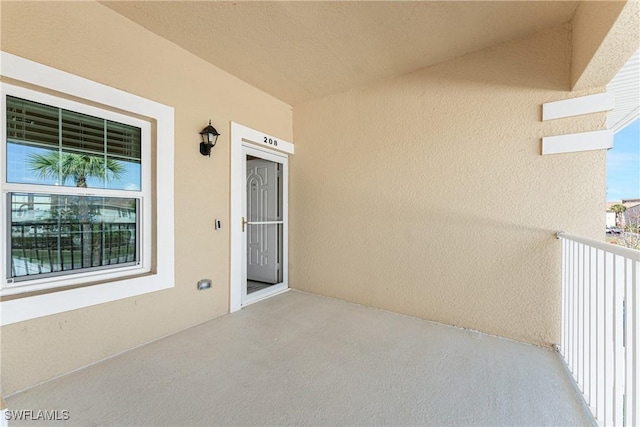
x: 78, y: 167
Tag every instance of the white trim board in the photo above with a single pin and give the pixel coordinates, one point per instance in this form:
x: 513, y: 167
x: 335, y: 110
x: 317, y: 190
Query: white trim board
x: 625, y: 121
x: 261, y: 139
x: 241, y: 135
x: 577, y: 106
x: 576, y: 142
x: 20, y: 309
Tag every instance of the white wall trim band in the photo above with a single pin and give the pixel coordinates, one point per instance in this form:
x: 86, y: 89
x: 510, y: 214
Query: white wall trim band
x: 577, y: 106
x: 575, y: 142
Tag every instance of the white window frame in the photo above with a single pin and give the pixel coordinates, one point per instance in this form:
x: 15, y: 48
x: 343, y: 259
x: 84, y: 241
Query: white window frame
x: 76, y: 277
x: 151, y: 275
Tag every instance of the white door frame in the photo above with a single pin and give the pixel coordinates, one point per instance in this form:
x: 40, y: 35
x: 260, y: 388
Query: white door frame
x: 283, y: 160
x: 244, y: 136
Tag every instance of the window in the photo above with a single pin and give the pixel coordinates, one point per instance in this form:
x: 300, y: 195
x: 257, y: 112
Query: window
x: 73, y: 187
x: 52, y: 231
x: 53, y: 146
x: 85, y: 207
x: 53, y: 234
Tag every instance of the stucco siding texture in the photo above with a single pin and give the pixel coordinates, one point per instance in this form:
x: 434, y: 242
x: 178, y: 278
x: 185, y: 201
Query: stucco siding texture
x: 427, y: 194
x: 90, y: 40
x: 604, y: 35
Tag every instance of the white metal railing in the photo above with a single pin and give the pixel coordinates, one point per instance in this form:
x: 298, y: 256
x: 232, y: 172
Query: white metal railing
x: 601, y: 326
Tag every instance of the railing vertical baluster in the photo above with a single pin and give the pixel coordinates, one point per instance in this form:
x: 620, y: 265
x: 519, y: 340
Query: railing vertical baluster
x: 635, y: 365
x: 91, y: 245
x: 618, y: 366
x: 631, y: 343
x: 608, y: 339
x: 110, y: 243
x: 118, y: 242
x: 71, y: 248
x: 570, y: 328
x: 574, y: 315
x: 24, y: 252
x: 593, y: 268
x: 36, y: 250
x: 570, y: 303
x: 563, y: 302
x: 102, y: 243
x: 60, y: 246
x: 576, y: 308
x: 49, y: 251
x: 584, y: 348
x: 81, y: 232
x: 600, y: 338
x: 580, y: 311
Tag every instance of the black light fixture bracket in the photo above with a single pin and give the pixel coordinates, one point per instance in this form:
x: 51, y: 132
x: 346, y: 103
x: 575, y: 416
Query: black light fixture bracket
x: 209, y: 138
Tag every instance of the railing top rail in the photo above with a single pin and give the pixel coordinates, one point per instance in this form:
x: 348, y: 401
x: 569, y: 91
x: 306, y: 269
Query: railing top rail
x: 608, y: 247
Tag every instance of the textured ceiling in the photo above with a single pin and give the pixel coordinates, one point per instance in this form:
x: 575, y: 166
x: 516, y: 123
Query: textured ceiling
x: 297, y: 51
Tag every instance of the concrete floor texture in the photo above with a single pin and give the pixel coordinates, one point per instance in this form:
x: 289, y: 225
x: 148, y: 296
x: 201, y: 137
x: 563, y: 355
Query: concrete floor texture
x: 302, y: 359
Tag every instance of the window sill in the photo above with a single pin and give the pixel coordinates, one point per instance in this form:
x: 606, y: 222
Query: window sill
x: 30, y: 307
x: 63, y: 283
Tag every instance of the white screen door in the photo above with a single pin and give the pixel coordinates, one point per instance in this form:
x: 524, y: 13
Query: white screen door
x: 264, y: 224
x: 263, y: 220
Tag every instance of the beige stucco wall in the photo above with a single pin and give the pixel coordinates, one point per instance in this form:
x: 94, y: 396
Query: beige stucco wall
x: 604, y: 36
x: 92, y: 41
x: 427, y: 194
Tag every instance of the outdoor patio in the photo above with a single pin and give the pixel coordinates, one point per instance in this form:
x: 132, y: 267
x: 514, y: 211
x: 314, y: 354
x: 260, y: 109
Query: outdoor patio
x: 303, y: 359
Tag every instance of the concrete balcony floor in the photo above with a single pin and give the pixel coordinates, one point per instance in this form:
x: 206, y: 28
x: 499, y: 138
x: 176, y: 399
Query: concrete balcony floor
x: 303, y: 359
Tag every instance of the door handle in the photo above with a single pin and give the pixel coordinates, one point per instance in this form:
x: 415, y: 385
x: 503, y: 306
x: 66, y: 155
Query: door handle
x: 245, y: 222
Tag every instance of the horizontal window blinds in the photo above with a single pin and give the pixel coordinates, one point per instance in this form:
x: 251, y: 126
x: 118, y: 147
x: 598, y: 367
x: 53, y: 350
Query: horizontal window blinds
x: 35, y: 124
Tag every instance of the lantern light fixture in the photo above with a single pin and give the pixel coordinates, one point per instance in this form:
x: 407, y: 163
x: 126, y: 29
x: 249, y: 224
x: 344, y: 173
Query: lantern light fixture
x: 209, y: 138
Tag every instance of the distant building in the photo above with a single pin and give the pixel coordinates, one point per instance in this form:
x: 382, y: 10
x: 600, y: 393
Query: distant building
x: 39, y: 208
x: 630, y: 216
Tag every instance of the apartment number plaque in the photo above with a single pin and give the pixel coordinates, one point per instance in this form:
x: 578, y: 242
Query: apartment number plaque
x: 271, y: 141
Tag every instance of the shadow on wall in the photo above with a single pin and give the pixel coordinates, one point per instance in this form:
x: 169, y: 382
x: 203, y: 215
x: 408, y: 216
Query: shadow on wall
x: 538, y: 62
x: 452, y: 266
x: 427, y: 194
